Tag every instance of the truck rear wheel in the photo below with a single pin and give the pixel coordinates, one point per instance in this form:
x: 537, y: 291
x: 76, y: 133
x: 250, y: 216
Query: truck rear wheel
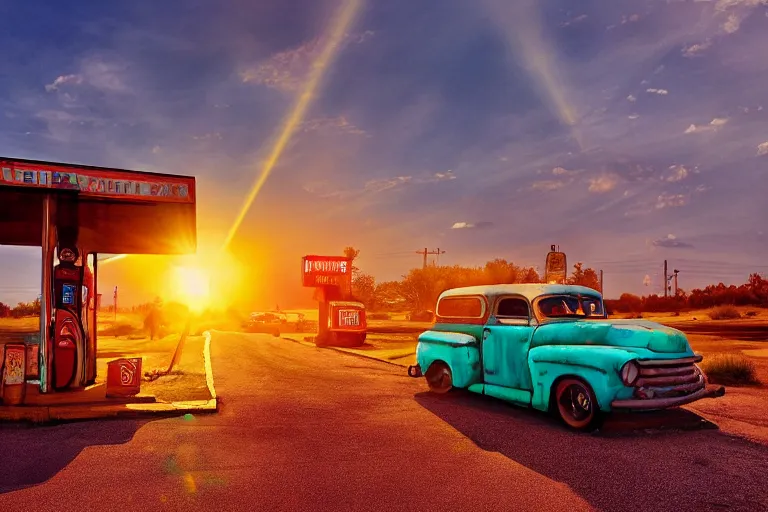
x: 439, y: 378
x: 575, y: 403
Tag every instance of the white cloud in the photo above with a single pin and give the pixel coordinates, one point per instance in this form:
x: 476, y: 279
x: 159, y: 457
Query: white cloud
x: 562, y: 171
x: 762, y: 149
x: 660, y: 92
x: 287, y: 70
x: 713, y: 125
x: 548, y: 185
x: 208, y: 136
x: 63, y: 79
x: 340, y: 124
x: 471, y: 225
x: 326, y: 189
x: 670, y: 201
x: 633, y: 116
x: 603, y: 184
x: 577, y: 19
x: 672, y: 242
x: 156, y: 150
x: 732, y: 24
x: 696, y: 49
x: 631, y: 98
x: 679, y: 173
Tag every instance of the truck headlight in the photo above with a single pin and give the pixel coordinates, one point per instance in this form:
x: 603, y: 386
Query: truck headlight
x: 629, y: 373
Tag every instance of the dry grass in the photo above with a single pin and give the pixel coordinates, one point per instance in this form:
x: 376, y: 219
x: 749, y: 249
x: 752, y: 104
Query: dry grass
x: 730, y: 369
x: 724, y: 313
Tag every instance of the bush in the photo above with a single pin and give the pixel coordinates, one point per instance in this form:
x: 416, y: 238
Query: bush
x: 724, y: 313
x: 751, y: 313
x: 379, y: 316
x: 730, y: 369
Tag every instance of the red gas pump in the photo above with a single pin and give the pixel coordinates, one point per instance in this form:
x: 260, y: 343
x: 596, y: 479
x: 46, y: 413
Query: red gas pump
x: 68, y: 333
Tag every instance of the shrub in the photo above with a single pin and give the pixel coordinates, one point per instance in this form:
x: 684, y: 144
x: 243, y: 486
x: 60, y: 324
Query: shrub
x: 750, y: 313
x: 729, y: 369
x: 724, y: 313
x: 379, y: 316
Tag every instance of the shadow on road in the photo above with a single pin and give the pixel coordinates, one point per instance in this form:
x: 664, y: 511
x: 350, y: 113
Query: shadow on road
x: 631, y: 460
x: 33, y: 455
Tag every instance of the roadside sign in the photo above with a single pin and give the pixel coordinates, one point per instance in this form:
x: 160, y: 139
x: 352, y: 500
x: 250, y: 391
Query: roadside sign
x: 325, y: 271
x: 556, y: 268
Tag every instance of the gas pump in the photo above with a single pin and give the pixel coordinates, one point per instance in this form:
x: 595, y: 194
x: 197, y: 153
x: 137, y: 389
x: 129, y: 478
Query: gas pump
x: 72, y: 290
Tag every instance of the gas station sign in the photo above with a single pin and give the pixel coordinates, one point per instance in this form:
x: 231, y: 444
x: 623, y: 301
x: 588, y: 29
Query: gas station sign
x: 325, y: 271
x: 98, y: 182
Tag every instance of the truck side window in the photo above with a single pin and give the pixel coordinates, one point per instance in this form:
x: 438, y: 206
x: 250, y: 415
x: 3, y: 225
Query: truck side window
x: 512, y: 308
x: 460, y: 307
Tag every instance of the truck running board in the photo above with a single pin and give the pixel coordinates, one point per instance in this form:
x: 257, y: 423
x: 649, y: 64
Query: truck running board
x: 517, y: 396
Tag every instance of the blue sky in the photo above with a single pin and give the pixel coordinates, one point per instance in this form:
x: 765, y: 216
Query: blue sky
x: 625, y: 131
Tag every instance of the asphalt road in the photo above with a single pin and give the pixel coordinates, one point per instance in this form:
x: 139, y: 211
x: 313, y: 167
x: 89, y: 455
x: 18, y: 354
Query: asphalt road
x: 302, y: 428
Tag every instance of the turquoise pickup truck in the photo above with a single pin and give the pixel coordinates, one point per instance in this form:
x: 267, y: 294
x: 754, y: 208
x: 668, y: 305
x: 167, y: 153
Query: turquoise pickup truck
x: 551, y: 347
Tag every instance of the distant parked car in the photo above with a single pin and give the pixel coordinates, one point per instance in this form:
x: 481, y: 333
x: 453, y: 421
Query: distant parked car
x: 267, y: 323
x: 420, y: 316
x: 552, y: 348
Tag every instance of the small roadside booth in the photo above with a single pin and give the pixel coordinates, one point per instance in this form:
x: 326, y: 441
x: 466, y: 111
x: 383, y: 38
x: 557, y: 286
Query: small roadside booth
x: 74, y: 213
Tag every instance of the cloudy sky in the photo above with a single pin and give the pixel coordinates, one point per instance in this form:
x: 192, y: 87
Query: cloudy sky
x: 626, y: 131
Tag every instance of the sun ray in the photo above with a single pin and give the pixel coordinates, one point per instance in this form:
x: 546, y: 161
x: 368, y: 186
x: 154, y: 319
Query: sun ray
x: 320, y: 66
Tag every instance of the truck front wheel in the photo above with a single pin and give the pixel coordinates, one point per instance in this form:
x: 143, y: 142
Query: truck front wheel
x: 439, y: 378
x: 575, y: 403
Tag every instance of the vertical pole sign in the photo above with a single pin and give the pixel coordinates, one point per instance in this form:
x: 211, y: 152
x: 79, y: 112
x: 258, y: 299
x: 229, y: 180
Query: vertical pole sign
x: 556, y: 268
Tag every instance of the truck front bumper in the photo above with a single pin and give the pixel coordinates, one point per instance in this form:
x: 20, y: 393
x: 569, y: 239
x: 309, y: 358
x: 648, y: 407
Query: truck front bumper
x: 646, y: 404
x: 414, y: 371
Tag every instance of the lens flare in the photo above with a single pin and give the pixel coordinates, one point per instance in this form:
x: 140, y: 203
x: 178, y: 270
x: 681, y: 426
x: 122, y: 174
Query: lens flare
x: 320, y: 66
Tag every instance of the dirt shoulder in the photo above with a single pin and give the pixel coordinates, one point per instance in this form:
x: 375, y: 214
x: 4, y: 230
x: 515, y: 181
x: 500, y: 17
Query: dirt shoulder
x: 187, y: 380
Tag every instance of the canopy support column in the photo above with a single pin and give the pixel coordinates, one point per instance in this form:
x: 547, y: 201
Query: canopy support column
x: 46, y: 297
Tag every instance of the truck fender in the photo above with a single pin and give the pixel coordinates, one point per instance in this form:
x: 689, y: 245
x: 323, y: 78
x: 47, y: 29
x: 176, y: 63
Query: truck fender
x: 459, y: 351
x: 599, y: 367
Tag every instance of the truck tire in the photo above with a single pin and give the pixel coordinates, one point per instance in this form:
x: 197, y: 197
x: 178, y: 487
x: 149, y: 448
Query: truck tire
x: 576, y: 405
x: 439, y: 378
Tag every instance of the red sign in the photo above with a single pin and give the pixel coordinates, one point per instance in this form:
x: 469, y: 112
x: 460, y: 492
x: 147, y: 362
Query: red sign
x: 124, y: 377
x: 325, y: 270
x: 98, y: 182
x: 347, y: 316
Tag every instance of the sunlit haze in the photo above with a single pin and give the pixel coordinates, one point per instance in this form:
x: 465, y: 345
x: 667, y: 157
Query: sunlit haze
x: 626, y: 132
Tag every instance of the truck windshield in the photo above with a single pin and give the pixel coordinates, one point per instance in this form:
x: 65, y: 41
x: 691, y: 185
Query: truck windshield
x: 571, y: 306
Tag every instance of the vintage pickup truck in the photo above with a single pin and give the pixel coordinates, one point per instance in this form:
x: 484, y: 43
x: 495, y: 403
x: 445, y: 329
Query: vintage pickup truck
x: 551, y: 347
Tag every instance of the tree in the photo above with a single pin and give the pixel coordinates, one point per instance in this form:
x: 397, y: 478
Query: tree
x: 501, y: 271
x: 352, y: 253
x: 584, y: 277
x: 5, y: 310
x: 388, y: 295
x: 364, y: 289
x: 530, y: 276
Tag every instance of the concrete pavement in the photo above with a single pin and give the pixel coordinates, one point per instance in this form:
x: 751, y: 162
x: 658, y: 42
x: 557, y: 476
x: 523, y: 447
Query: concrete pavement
x: 302, y: 428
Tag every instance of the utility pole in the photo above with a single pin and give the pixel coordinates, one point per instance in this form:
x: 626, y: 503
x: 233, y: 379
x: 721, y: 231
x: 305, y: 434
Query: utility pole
x: 437, y: 256
x: 676, y: 289
x: 115, y: 297
x: 427, y: 252
x: 666, y: 279
x: 601, y: 281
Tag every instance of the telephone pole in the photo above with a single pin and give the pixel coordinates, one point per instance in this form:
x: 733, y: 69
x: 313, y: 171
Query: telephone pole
x: 601, y: 281
x: 427, y: 252
x: 666, y: 280
x: 676, y: 288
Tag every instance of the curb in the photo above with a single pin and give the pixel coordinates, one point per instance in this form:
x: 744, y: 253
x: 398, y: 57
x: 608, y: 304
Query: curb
x: 349, y: 351
x: 209, y: 367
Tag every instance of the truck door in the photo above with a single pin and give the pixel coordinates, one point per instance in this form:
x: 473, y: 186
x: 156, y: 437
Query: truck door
x: 506, y: 340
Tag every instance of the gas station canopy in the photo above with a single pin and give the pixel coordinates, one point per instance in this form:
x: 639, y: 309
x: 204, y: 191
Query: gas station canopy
x: 115, y: 211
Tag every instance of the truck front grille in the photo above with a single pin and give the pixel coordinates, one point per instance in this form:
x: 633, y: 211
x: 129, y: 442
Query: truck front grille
x: 669, y: 378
